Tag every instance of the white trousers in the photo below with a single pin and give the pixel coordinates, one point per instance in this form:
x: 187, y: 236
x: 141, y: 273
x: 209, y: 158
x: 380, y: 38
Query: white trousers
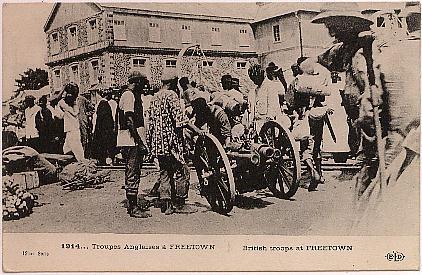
x: 73, y: 144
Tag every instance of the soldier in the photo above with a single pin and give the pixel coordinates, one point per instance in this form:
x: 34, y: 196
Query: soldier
x: 131, y: 137
x: 351, y: 54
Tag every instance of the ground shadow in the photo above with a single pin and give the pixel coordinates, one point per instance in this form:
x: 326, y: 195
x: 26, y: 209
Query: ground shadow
x: 268, y: 194
x: 248, y: 203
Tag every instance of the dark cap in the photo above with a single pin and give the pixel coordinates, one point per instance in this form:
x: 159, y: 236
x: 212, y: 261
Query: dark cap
x: 226, y: 78
x: 272, y: 67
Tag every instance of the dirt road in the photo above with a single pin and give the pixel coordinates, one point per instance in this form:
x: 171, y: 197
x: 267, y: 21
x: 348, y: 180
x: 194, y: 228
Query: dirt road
x: 102, y: 211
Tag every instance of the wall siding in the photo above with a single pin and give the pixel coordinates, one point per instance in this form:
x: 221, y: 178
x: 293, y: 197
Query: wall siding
x: 137, y: 32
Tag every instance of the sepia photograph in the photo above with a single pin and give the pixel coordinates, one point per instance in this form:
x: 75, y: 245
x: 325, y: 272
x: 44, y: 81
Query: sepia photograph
x: 212, y: 122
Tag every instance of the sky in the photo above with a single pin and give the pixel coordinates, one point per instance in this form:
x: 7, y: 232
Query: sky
x: 24, y: 44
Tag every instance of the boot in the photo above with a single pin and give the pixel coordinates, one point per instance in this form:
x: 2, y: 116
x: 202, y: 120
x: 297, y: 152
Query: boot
x: 318, y: 167
x: 315, y: 177
x: 167, y: 207
x: 133, y: 210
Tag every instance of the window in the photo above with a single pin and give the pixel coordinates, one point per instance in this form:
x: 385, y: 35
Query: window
x: 119, y: 30
x: 74, y: 74
x: 380, y: 22
x: 207, y: 63
x: 92, y: 31
x: 243, y: 38
x: 154, y: 32
x: 215, y: 36
x: 72, y: 36
x: 93, y: 72
x: 138, y: 62
x: 55, y: 43
x: 186, y: 34
x: 276, y: 33
x: 241, y: 65
x: 170, y: 63
x: 400, y: 22
x: 57, y: 81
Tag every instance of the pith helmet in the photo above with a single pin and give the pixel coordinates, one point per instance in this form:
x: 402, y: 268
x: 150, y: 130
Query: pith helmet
x: 341, y: 12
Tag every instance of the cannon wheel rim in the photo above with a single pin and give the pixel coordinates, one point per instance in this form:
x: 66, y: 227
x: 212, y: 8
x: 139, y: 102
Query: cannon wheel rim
x: 223, y: 201
x: 282, y: 172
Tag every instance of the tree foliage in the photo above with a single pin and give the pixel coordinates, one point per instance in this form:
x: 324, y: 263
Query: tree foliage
x: 32, y: 80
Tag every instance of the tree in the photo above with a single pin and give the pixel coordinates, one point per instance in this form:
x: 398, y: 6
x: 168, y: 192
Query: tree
x: 32, y: 80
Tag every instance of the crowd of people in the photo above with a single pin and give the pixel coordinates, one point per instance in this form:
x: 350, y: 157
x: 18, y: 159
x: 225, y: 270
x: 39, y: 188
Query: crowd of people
x: 160, y: 124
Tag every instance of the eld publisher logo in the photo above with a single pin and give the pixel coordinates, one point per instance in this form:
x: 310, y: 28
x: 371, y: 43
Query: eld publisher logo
x: 395, y: 256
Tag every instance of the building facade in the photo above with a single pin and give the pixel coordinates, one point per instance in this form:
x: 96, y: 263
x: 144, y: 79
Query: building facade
x: 95, y: 44
x: 98, y: 44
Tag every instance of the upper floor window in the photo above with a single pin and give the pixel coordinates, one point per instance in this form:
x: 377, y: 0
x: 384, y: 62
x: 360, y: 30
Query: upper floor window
x: 119, y: 30
x: 215, y: 36
x: 276, y: 33
x: 92, y: 31
x: 241, y: 64
x: 74, y: 74
x: 207, y: 63
x: 380, y: 22
x: 154, y: 32
x: 186, y: 34
x: 138, y: 62
x: 93, y: 72
x: 72, y: 36
x: 243, y: 38
x: 57, y: 83
x: 170, y: 63
x: 55, y: 43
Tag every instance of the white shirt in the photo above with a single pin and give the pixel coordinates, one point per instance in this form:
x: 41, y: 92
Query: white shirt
x: 30, y: 129
x: 267, y: 102
x: 127, y: 104
x: 113, y: 105
x: 234, y: 94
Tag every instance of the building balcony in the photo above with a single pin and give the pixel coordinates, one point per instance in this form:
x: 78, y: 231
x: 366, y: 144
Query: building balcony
x: 75, y: 53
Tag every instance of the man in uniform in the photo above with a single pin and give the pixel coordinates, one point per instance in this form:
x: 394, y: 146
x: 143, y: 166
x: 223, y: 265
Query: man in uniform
x: 130, y: 137
x: 350, y: 55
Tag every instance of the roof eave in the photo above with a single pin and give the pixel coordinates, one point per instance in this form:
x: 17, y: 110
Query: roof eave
x: 178, y: 15
x: 54, y: 10
x: 282, y: 15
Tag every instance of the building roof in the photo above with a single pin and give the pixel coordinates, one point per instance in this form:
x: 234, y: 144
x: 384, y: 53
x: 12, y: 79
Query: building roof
x: 268, y: 10
x: 245, y: 10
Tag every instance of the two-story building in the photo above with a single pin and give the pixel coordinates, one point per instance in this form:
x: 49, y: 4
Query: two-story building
x: 283, y: 32
x: 98, y: 43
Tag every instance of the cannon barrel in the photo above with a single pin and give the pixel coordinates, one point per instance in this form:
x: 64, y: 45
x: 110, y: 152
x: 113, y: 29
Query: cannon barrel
x: 263, y: 150
x: 253, y: 157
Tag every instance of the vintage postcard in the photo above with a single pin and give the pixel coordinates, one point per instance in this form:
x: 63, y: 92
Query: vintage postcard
x: 199, y: 136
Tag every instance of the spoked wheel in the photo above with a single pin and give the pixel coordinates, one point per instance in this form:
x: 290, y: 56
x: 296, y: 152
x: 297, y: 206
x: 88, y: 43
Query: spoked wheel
x: 214, y: 173
x: 281, y: 175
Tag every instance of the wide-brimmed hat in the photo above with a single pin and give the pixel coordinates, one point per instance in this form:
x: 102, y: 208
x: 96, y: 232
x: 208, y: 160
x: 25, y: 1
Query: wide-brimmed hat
x: 341, y: 12
x: 272, y: 67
